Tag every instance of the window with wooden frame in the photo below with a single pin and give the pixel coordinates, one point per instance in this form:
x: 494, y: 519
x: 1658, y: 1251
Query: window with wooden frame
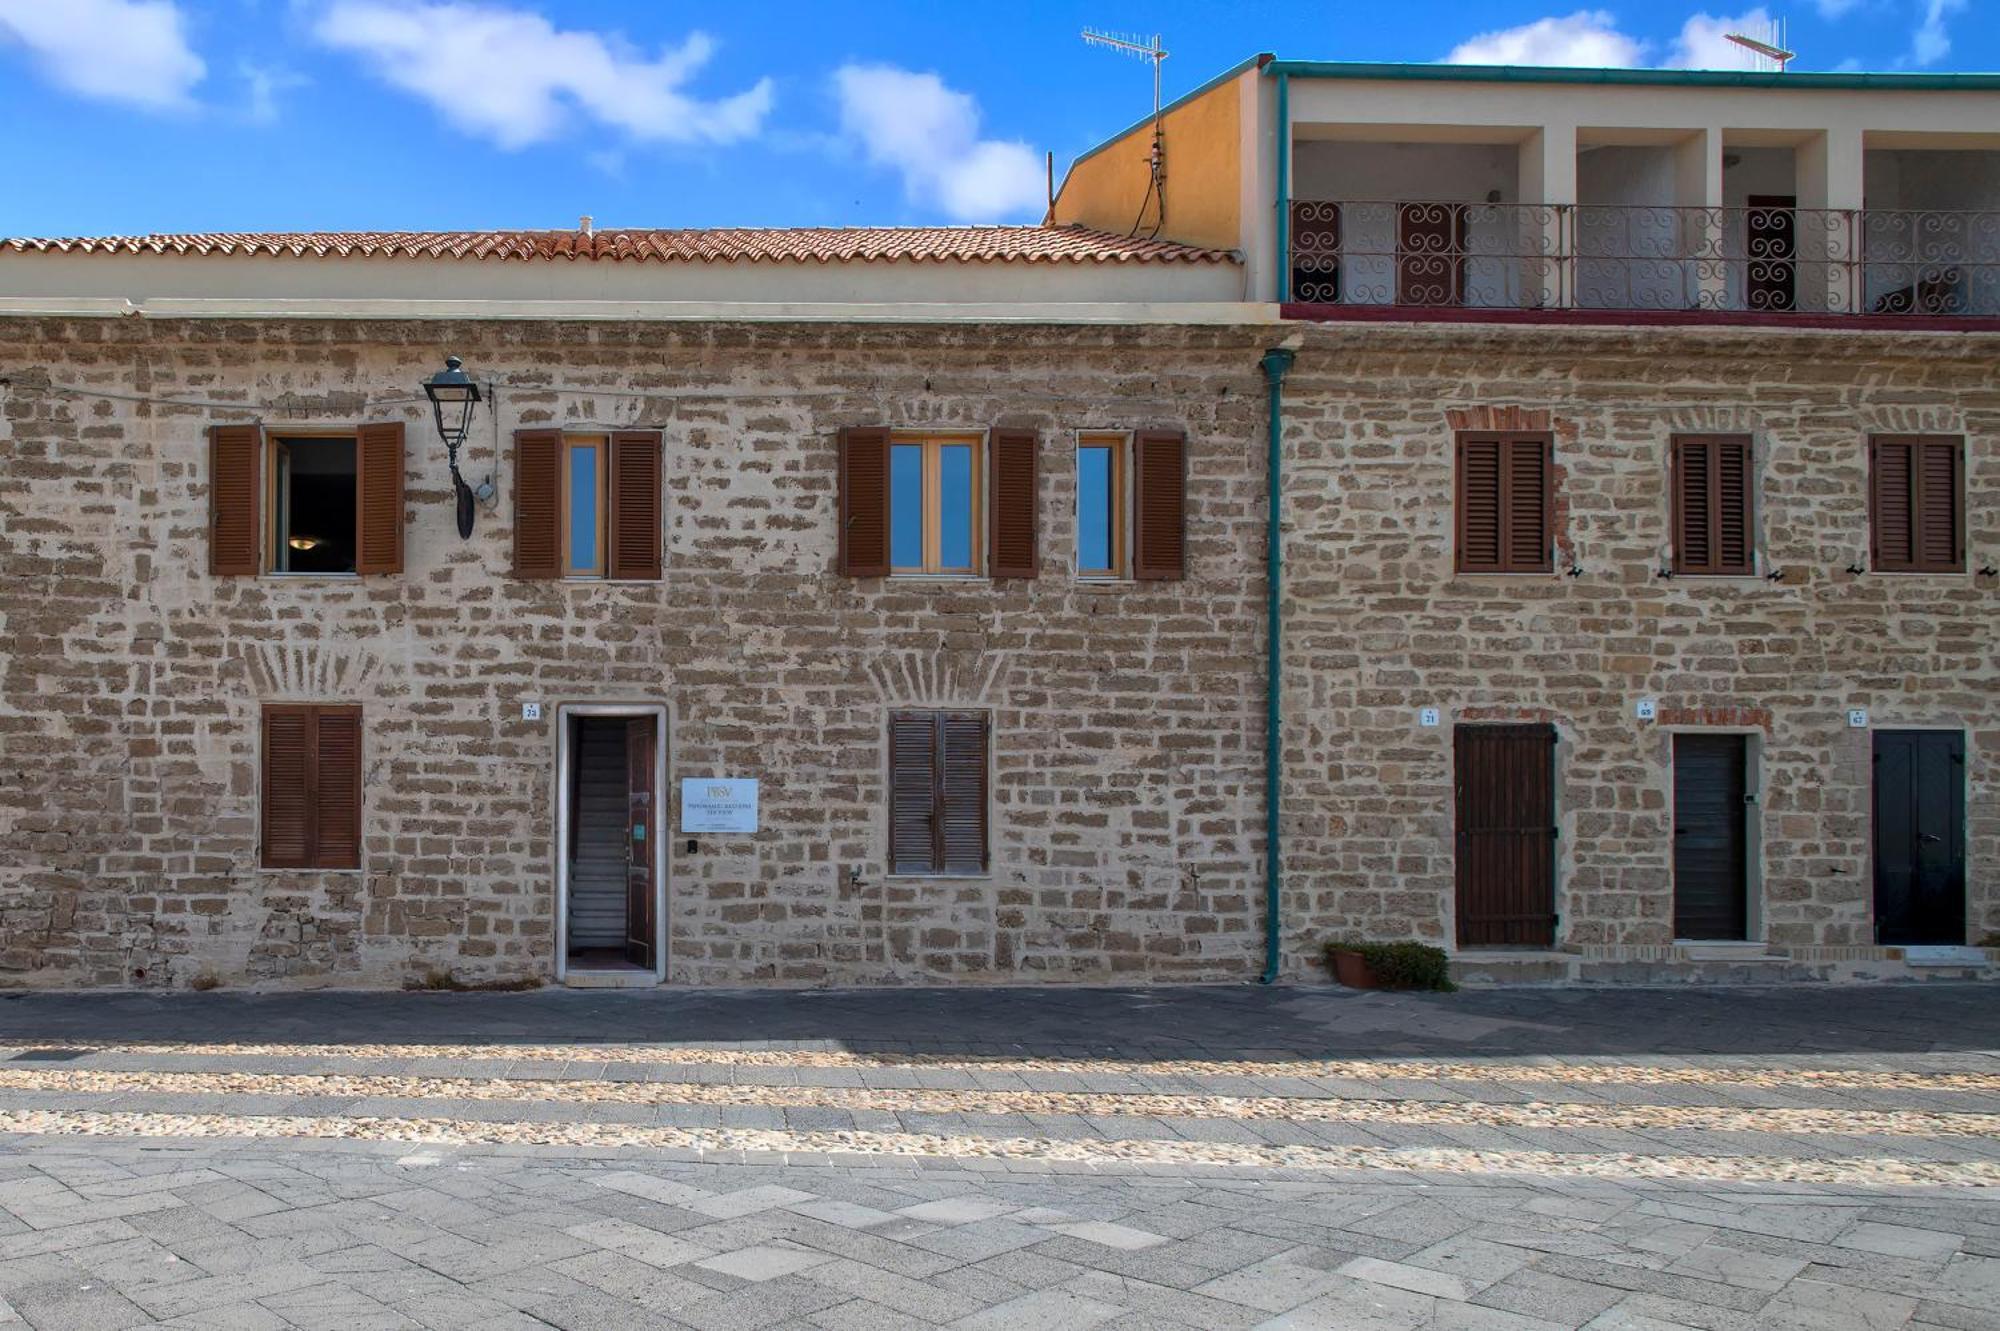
x: 1916, y: 501
x: 934, y: 508
x: 1505, y: 505
x: 311, y: 782
x: 1713, y: 506
x: 938, y: 792
x: 1102, y: 501
x: 587, y: 505
x: 306, y: 501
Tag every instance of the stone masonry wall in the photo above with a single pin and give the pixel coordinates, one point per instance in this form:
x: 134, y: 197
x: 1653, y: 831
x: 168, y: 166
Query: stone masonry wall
x: 1127, y: 718
x: 1379, y: 625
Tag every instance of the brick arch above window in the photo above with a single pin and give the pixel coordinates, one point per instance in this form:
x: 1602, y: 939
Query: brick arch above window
x: 1531, y: 420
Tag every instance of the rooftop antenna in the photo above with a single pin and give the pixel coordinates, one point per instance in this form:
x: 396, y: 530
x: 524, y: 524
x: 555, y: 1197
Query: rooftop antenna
x: 1145, y: 48
x: 1770, y: 47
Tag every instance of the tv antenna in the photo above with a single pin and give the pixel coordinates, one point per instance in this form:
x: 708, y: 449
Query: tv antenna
x: 1145, y: 48
x: 1770, y: 47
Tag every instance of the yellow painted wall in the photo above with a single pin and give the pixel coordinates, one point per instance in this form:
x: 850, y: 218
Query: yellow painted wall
x: 1203, y: 149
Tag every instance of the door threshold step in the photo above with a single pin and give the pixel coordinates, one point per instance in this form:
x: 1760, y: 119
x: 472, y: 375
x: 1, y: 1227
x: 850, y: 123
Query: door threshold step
x: 1729, y: 951
x: 1944, y: 955
x: 610, y: 979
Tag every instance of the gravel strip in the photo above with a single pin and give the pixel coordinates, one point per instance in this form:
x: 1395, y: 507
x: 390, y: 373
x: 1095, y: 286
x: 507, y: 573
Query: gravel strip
x: 1887, y: 1172
x: 1364, y: 1069
x: 1456, y: 1113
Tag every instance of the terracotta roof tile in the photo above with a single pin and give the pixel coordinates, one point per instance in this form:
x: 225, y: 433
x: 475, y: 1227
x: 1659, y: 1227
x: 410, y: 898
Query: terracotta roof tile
x: 934, y: 244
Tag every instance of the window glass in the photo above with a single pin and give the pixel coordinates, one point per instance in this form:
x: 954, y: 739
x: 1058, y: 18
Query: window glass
x: 906, y: 505
x: 313, y: 505
x: 955, y: 506
x: 583, y: 509
x: 1094, y: 509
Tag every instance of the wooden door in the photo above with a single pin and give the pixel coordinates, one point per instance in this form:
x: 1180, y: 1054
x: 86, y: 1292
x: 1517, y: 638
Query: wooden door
x: 1770, y: 245
x: 1919, y: 836
x: 1430, y: 254
x: 641, y: 745
x: 1711, y: 837
x: 1506, y: 835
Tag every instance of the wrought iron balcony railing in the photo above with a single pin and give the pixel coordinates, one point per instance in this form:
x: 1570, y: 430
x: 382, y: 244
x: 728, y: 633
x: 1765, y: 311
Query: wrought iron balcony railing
x: 1765, y: 258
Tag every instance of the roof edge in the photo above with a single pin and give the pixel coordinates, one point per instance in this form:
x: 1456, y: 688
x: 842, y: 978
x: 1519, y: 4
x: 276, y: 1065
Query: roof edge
x: 1699, y: 78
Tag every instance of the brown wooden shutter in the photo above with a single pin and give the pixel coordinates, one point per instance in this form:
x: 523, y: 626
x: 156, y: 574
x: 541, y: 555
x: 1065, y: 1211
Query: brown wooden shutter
x: 287, y: 786
x: 538, y: 499
x: 336, y: 787
x: 1938, y: 504
x: 913, y: 778
x: 379, y: 465
x: 1159, y: 492
x: 1011, y: 504
x: 864, y: 502
x: 1713, y: 531
x: 1505, y: 507
x: 1479, y: 525
x: 235, y: 535
x: 1528, y: 506
x: 634, y: 535
x: 1916, y: 498
x: 961, y: 814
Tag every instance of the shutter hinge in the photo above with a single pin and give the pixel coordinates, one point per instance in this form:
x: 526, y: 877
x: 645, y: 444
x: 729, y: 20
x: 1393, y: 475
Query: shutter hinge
x: 1554, y: 832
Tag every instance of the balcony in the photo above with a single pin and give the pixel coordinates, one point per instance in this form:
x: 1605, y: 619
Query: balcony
x: 1757, y: 260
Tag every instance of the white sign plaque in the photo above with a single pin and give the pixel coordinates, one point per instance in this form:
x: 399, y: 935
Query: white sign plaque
x: 1857, y: 717
x: 718, y: 804
x: 1428, y: 716
x: 1648, y: 709
x: 531, y: 711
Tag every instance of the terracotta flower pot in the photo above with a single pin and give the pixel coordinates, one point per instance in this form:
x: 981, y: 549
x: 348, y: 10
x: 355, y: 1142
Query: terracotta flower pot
x: 1352, y: 970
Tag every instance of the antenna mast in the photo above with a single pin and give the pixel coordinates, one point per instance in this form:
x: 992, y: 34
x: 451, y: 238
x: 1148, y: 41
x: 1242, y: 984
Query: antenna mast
x: 1770, y: 47
x: 1152, y: 49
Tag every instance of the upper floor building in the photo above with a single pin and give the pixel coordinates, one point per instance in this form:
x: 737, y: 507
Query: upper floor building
x: 1380, y: 190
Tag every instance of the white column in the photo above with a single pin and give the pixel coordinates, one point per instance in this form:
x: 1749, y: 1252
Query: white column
x: 1548, y: 181
x: 1698, y: 192
x: 1828, y: 170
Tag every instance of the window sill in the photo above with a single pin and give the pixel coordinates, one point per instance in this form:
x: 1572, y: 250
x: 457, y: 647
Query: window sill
x: 938, y: 877
x: 939, y: 577
x: 283, y: 576
x: 307, y: 868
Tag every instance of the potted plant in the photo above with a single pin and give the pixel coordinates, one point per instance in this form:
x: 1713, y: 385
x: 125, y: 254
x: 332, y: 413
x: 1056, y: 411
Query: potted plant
x: 1405, y: 965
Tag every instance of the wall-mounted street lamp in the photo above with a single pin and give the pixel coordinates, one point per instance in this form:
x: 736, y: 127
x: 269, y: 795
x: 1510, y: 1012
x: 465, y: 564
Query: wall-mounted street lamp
x: 453, y: 395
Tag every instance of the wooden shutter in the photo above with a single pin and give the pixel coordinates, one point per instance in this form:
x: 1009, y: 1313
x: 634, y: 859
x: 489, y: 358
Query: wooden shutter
x: 1159, y: 493
x: 1916, y: 494
x: 378, y: 498
x: 961, y: 817
x: 1713, y: 531
x: 235, y: 534
x: 1505, y: 504
x: 913, y: 779
x: 634, y: 534
x: 287, y: 787
x: 312, y: 787
x: 336, y: 787
x: 1011, y: 504
x: 538, y: 500
x: 864, y: 502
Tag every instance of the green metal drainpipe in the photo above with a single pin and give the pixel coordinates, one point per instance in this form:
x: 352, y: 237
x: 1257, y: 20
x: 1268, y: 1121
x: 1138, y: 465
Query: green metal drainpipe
x: 1275, y: 363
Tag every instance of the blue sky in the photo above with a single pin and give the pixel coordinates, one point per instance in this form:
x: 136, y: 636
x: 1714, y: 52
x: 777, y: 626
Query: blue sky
x: 213, y: 115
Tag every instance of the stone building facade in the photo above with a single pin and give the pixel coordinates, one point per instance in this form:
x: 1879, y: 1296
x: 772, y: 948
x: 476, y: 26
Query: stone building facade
x: 1127, y: 796
x: 1126, y: 716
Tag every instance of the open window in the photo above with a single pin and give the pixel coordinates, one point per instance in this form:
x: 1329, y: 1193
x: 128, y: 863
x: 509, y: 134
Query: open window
x: 313, y: 497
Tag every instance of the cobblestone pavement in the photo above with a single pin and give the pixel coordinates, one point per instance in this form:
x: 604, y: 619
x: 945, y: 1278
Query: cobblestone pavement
x: 1623, y: 1161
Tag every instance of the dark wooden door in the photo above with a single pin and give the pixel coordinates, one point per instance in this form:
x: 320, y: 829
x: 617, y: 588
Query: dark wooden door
x: 1430, y: 254
x: 1711, y: 837
x: 1770, y: 245
x: 641, y: 744
x: 1919, y: 836
x: 1506, y: 835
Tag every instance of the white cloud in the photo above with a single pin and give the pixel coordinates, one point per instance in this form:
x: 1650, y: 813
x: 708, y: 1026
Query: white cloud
x: 262, y: 85
x: 930, y: 134
x: 1704, y: 41
x: 512, y: 76
x: 1589, y: 37
x: 1931, y: 43
x: 133, y: 51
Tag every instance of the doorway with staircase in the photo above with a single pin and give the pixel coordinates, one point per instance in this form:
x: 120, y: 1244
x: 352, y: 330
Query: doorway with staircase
x: 611, y: 865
